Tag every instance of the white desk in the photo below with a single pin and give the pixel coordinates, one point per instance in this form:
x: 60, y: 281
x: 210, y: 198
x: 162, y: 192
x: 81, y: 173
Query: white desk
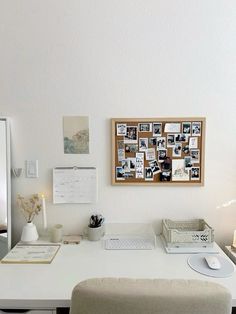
x: 49, y: 286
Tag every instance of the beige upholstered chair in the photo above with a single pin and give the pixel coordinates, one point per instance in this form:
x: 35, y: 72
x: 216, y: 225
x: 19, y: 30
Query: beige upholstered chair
x: 147, y: 296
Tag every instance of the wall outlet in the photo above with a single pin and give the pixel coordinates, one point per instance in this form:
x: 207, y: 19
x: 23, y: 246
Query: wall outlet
x: 32, y: 170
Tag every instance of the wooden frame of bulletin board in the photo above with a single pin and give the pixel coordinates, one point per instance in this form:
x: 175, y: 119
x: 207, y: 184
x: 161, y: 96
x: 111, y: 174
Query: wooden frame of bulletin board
x: 158, y: 151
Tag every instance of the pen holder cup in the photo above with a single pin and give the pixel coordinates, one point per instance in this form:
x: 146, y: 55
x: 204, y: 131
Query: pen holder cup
x: 94, y: 234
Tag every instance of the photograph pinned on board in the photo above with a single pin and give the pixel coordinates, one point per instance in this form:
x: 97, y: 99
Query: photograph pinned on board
x: 145, y: 127
x: 193, y: 142
x: 181, y: 137
x: 150, y: 153
x: 179, y: 173
x: 165, y: 176
x: 186, y: 128
x: 121, y: 150
x: 148, y: 174
x: 188, y: 162
x: 155, y: 167
x: 143, y: 144
x: 121, y: 154
x: 161, y: 142
x: 172, y: 127
x: 132, y: 163
x: 139, y: 166
x: 177, y: 150
x: 120, y: 145
x: 152, y: 141
x: 125, y: 163
x: 162, y: 154
x: 195, y: 155
x: 157, y: 129
x: 131, y: 136
x: 76, y: 134
x: 170, y: 140
x: 195, y: 173
x: 167, y: 164
x: 131, y: 148
x: 121, y: 129
x: 185, y: 149
x: 196, y: 128
x: 120, y: 173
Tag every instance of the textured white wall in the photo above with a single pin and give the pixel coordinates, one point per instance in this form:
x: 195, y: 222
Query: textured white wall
x: 126, y: 58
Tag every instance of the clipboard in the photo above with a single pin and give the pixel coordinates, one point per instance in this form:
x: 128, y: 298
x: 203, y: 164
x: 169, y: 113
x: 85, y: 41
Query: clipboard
x: 31, y: 254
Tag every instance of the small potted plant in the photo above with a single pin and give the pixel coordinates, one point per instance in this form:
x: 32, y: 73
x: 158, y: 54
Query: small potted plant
x: 30, y: 207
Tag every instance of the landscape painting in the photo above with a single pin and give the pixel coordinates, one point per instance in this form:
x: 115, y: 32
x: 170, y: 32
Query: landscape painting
x: 76, y: 134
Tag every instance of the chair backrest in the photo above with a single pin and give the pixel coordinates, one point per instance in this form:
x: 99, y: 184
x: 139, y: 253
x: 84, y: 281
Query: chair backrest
x: 149, y: 296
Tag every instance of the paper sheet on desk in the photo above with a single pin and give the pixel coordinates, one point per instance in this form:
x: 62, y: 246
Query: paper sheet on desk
x: 32, y: 254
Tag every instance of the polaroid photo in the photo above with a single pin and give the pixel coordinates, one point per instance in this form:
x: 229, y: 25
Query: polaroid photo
x: 152, y: 141
x: 195, y: 155
x: 157, y: 129
x: 195, y: 173
x: 170, y: 140
x: 121, y: 129
x: 162, y: 155
x: 179, y: 173
x: 120, y: 173
x: 181, y: 137
x: 177, y: 150
x: 148, y: 174
x: 125, y: 163
x: 161, y: 142
x: 143, y: 144
x: 145, y: 127
x: 188, y: 162
x: 131, y: 136
x: 186, y: 128
x: 155, y: 167
x: 165, y: 176
x: 121, y: 154
x: 139, y: 166
x: 131, y: 148
x: 185, y: 149
x: 193, y: 142
x: 196, y: 128
x: 132, y: 163
x: 150, y: 154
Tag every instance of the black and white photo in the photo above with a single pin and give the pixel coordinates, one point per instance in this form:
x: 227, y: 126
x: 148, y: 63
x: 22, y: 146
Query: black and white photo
x: 157, y: 129
x: 121, y: 129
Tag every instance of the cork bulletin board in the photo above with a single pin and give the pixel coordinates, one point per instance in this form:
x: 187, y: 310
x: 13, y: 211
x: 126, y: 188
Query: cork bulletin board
x: 158, y: 151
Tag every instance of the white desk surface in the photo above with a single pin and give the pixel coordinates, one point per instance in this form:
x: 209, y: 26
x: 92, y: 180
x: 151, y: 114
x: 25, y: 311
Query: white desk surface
x: 48, y: 286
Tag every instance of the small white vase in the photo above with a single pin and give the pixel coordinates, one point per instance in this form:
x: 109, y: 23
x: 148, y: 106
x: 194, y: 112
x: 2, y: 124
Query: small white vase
x: 29, y: 233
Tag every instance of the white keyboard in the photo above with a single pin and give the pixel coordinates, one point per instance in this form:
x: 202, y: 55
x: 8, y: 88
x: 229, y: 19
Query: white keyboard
x: 128, y: 244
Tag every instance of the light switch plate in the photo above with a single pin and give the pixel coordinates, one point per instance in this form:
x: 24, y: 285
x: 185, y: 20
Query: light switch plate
x: 32, y: 170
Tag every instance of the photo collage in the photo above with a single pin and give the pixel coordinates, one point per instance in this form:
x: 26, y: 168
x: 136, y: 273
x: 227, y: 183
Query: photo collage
x: 158, y: 151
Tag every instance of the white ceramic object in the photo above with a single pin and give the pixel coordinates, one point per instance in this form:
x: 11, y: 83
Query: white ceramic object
x: 56, y: 233
x: 29, y: 233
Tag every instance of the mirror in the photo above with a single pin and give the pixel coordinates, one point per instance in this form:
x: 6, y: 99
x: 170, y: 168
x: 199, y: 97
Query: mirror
x: 5, y: 191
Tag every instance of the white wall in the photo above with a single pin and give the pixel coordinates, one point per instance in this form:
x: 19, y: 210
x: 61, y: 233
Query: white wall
x: 126, y: 58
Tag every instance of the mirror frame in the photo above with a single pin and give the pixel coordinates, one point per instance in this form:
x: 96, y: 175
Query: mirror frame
x: 8, y: 177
